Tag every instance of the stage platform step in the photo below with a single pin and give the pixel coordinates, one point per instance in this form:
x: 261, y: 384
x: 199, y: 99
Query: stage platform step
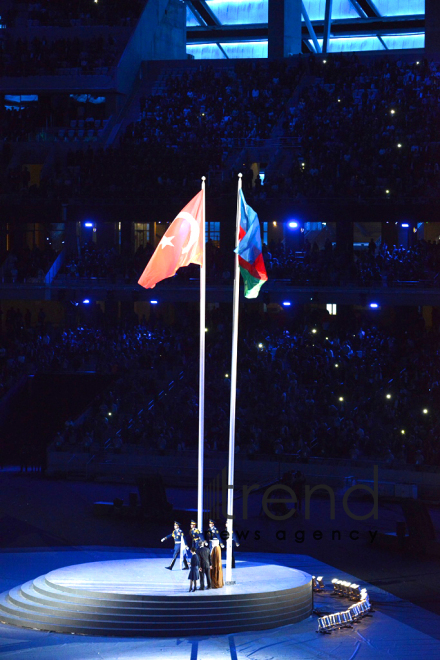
x: 139, y: 598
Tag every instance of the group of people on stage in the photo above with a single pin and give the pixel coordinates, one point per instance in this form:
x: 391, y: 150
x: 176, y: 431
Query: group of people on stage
x: 203, y: 553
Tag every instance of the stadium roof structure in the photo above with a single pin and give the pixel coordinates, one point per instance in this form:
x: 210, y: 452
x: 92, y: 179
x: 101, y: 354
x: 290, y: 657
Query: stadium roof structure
x: 239, y: 28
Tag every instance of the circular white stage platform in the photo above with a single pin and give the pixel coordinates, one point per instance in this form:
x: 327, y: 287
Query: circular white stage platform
x: 139, y: 598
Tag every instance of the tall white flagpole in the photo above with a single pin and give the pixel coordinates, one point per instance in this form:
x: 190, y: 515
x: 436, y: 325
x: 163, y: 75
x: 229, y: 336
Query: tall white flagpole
x: 202, y: 370
x: 235, y: 312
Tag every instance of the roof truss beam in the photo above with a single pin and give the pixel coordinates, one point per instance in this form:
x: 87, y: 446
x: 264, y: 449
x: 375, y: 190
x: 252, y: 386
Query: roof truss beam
x: 327, y: 25
x: 358, y: 8
x: 310, y: 28
x: 369, y: 8
x: 339, y: 28
x: 202, y: 10
x: 195, y: 13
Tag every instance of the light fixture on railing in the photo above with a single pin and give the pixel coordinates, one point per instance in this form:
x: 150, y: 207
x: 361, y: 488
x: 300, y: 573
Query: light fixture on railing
x: 336, y: 585
x: 355, y: 591
x: 317, y: 583
x: 353, y: 614
x: 325, y: 625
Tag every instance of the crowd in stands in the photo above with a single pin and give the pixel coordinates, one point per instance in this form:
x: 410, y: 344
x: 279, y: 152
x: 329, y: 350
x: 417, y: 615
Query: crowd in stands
x: 108, y: 264
x: 16, y: 125
x: 132, y: 170
x: 93, y: 262
x: 42, y: 56
x: 382, y: 266
x: 306, y: 388
x: 366, y: 130
x: 213, y: 106
x: 376, y: 266
x: 26, y: 265
x: 185, y: 132
x: 71, y: 13
x: 319, y: 391
x: 125, y: 414
x: 24, y: 121
x: 142, y: 357
x: 363, y: 129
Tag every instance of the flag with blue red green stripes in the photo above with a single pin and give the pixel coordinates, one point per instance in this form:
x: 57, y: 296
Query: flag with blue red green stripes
x: 249, y: 250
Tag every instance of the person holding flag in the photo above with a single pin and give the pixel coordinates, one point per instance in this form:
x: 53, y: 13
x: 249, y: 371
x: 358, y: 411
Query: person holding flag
x: 179, y: 543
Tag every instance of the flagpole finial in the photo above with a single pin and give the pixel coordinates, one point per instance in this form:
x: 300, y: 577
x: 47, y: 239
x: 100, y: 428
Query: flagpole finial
x: 203, y: 178
x: 240, y: 175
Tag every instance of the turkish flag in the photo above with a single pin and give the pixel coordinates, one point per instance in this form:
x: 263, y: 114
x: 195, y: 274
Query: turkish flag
x: 181, y: 245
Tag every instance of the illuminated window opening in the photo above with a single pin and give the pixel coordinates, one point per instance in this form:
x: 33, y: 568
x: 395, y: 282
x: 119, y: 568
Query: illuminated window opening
x: 212, y: 233
x: 141, y: 234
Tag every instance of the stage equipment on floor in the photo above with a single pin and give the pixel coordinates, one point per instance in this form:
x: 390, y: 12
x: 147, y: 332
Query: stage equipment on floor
x: 318, y: 583
x: 353, y: 614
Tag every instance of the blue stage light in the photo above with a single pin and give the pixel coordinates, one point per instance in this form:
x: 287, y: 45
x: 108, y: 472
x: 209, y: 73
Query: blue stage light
x: 86, y: 301
x: 374, y: 305
x: 88, y: 224
x: 153, y: 302
x: 405, y: 224
x: 287, y: 303
x: 293, y: 224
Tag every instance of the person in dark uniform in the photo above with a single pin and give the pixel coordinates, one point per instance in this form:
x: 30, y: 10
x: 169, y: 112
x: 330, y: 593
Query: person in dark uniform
x: 178, y: 538
x: 213, y: 533
x: 235, y: 543
x: 193, y: 574
x: 205, y: 565
x: 195, y: 534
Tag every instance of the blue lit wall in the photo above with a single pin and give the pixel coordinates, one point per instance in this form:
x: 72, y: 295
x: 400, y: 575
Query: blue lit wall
x: 340, y: 9
x: 205, y: 51
x: 353, y: 44
x: 239, y: 12
x: 392, y: 42
x: 245, y: 12
x: 405, y: 41
x: 190, y: 18
x: 400, y: 7
x: 249, y: 49
x: 246, y: 49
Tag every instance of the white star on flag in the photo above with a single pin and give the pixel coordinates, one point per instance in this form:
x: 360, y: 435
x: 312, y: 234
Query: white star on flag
x: 185, y: 238
x: 166, y: 240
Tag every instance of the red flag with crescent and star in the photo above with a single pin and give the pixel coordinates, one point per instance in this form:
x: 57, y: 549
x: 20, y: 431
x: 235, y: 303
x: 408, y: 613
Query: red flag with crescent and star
x: 181, y: 245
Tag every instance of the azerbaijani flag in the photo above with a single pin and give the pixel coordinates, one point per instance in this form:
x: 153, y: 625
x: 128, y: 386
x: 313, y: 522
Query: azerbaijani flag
x: 249, y: 250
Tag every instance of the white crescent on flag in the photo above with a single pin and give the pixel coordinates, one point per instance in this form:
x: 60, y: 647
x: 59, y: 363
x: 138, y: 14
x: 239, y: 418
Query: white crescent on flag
x: 185, y: 230
x: 195, y: 230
